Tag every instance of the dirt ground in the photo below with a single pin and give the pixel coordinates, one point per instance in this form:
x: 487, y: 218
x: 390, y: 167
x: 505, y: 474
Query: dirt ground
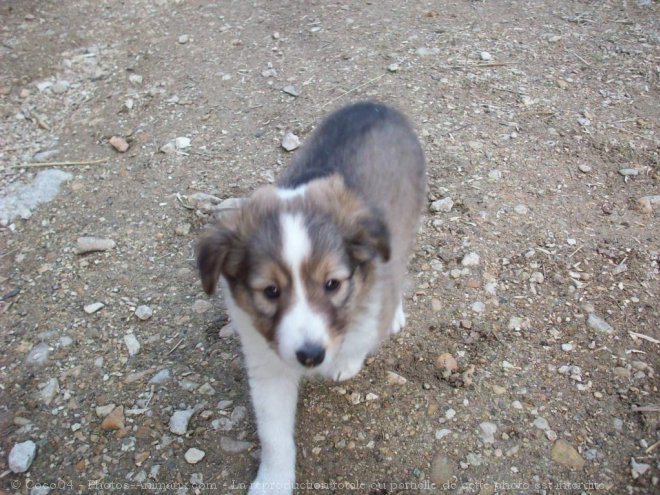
x: 539, y: 122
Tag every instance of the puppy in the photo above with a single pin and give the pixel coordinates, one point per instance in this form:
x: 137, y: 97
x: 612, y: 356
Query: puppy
x: 312, y: 268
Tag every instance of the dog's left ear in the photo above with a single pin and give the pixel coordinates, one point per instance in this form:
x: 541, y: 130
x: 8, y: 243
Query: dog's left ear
x: 367, y: 237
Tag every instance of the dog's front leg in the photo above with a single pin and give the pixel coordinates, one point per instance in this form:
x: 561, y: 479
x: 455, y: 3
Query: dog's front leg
x: 274, y: 390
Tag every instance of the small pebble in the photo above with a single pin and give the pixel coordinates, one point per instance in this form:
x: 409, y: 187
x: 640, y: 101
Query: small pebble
x: 160, y: 377
x: 567, y: 347
x: 393, y: 67
x: 291, y: 89
x: 21, y: 456
x: 119, y: 143
x: 93, y: 308
x: 50, y: 391
x: 194, y: 455
x: 238, y: 414
x: 38, y: 355
x: 183, y: 39
x: 91, y: 244
x: 521, y: 209
x: 565, y: 454
x: 132, y: 344
x: 485, y: 56
x: 60, y: 87
x: 487, y: 432
x: 290, y: 141
x: 470, y: 259
x: 541, y: 423
x: 395, y: 379
x: 442, y: 205
x: 495, y: 175
x: 440, y: 434
x: 638, y: 469
x: 447, y: 362
x: 182, y: 143
x: 585, y: 169
x: 450, y: 413
x: 179, y: 421
x: 206, y: 389
x: 114, y: 420
x: 427, y: 52
x: 103, y: 411
x: 628, y: 172
x: 599, y: 324
x: 232, y: 446
x: 143, y: 312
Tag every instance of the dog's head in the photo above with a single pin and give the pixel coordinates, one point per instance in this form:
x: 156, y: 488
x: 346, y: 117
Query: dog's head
x: 298, y: 264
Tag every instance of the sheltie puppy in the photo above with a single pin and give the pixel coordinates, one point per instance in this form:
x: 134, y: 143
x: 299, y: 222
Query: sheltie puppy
x: 312, y: 268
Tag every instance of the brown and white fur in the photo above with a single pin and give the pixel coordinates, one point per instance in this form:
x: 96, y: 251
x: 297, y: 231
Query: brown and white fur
x: 312, y: 269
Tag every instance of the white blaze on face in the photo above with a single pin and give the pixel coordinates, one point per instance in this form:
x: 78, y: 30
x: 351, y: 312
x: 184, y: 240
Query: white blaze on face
x: 301, y: 324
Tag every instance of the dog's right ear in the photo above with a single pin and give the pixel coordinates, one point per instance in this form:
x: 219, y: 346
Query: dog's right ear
x: 218, y: 253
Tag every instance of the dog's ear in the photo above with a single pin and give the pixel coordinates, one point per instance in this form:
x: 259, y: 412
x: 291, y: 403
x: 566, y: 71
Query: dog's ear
x: 367, y: 237
x: 218, y: 253
x: 363, y: 228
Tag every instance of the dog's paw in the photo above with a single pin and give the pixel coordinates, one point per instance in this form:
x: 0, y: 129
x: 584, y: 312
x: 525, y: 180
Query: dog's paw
x: 271, y: 485
x: 399, y: 320
x: 347, y: 369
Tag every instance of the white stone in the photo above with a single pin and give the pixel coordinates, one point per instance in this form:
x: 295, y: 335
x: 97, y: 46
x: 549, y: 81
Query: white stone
x: 182, y: 143
x: 599, y: 324
x: 440, y: 434
x: 93, y: 308
x: 521, y: 209
x: 103, y: 411
x: 50, y: 391
x: 193, y: 455
x: 21, y: 456
x: 160, y: 377
x: 132, y: 344
x: 143, y: 312
x: 442, y: 205
x: 487, y: 432
x: 470, y: 259
x: 179, y: 421
x: 290, y: 141
x: 485, y: 56
x: 427, y: 52
x: 541, y: 423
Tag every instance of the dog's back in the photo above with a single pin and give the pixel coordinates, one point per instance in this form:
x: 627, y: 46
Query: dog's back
x: 373, y: 147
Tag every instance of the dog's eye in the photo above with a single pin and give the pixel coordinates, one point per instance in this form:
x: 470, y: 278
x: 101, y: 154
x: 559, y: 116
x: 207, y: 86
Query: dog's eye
x: 272, y: 292
x: 331, y: 285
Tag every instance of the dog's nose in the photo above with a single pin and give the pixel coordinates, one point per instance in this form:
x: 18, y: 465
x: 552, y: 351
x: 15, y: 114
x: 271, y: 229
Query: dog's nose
x: 310, y: 355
